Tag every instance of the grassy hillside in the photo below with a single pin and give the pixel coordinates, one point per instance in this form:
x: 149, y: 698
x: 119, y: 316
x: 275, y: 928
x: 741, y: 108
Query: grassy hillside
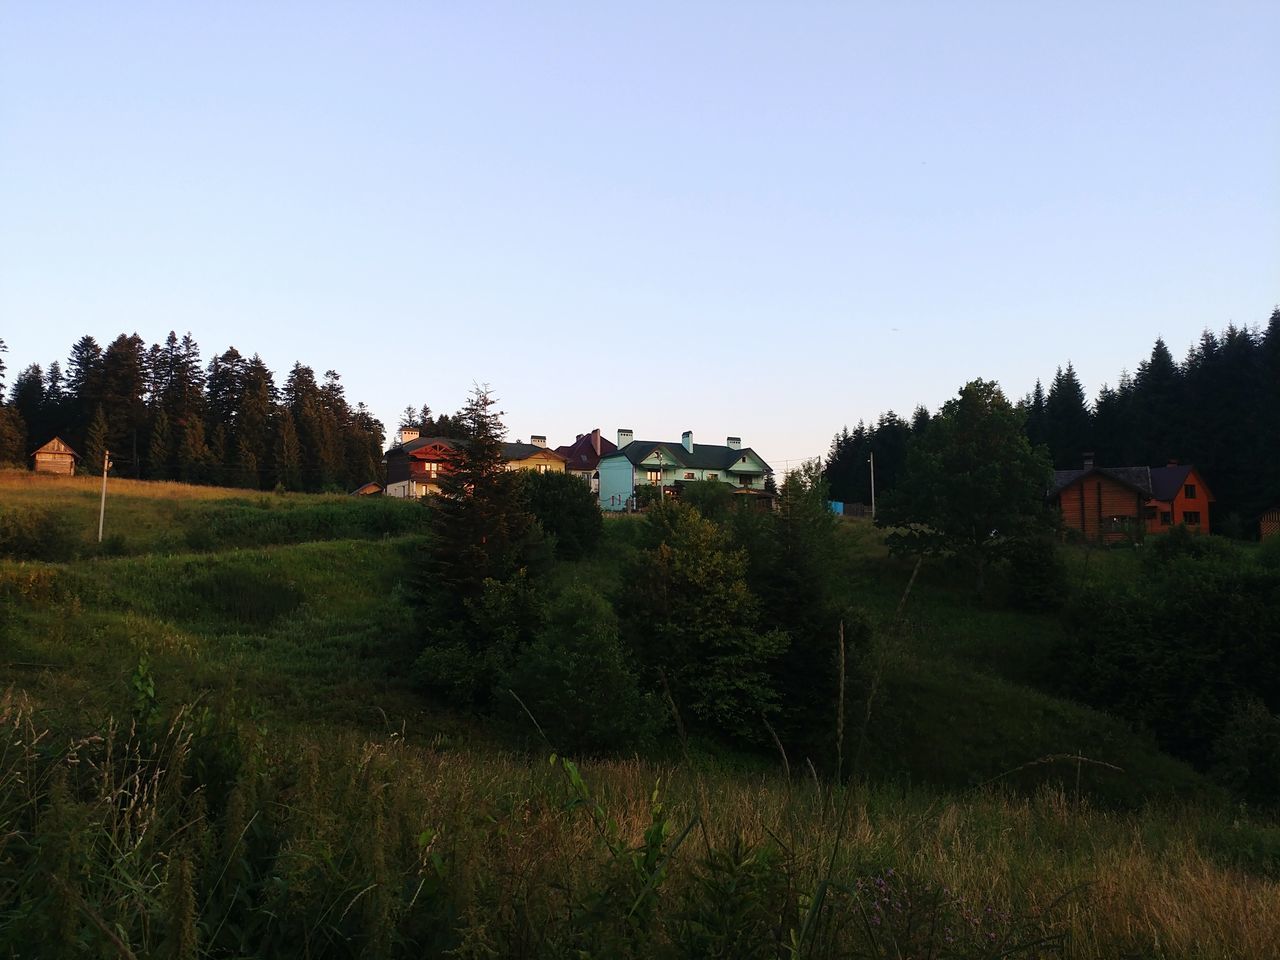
x: 282, y: 771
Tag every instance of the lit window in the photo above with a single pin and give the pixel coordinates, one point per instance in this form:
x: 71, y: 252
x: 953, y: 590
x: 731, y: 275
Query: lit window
x: 543, y: 468
x: 713, y: 476
x: 690, y: 476
x: 655, y: 476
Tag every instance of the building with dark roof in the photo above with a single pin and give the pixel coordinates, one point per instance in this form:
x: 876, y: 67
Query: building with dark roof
x: 668, y: 465
x: 416, y: 464
x: 582, y: 457
x: 1110, y: 504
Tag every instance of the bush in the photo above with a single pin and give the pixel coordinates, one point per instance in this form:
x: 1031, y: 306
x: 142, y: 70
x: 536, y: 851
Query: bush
x: 577, y: 681
x: 36, y: 533
x: 1037, y: 574
x: 567, y: 509
x: 1247, y: 755
x: 711, y: 498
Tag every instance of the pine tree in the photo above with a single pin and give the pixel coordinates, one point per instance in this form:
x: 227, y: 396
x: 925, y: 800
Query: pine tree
x: 1158, y: 408
x: 920, y: 420
x: 123, y: 397
x: 84, y: 387
x: 1067, y: 420
x: 28, y: 401
x: 3, y: 350
x: 160, y: 448
x: 1037, y: 426
x: 287, y: 458
x: 95, y: 444
x: 193, y: 452
x: 482, y: 528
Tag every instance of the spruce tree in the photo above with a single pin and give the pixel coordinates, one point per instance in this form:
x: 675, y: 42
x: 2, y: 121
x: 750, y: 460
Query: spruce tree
x: 95, y: 444
x: 287, y: 454
x: 1158, y: 409
x: 160, y: 448
x: 1067, y: 421
x: 28, y: 401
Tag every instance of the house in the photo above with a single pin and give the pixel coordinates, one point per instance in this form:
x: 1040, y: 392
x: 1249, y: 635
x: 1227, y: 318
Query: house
x: 670, y: 465
x: 1269, y: 526
x: 371, y: 489
x: 582, y: 457
x: 534, y: 455
x: 1110, y: 504
x: 417, y: 464
x: 56, y: 457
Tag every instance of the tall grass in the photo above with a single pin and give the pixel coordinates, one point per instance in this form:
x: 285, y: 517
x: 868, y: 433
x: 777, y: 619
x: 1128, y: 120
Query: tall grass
x: 206, y: 837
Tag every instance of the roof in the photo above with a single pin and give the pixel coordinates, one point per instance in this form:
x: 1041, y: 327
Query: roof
x: 420, y: 442
x: 1155, y: 483
x: 581, y: 454
x: 523, y: 451
x: 56, y: 445
x: 704, y: 456
x: 1167, y: 482
x: 1135, y: 478
x: 373, y: 486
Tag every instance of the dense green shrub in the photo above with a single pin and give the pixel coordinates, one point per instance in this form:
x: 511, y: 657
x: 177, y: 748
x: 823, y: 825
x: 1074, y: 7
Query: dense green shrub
x: 265, y: 521
x: 36, y: 533
x: 578, y: 682
x: 711, y: 498
x: 1247, y: 754
x: 1036, y: 574
x: 567, y: 510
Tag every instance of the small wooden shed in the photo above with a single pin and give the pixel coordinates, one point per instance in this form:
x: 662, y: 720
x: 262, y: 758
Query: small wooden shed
x: 1270, y: 524
x: 56, y: 457
x: 370, y: 489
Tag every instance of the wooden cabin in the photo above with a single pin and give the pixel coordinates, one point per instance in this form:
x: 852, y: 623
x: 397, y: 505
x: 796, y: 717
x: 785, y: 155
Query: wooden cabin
x: 1112, y: 504
x: 56, y: 457
x: 370, y: 489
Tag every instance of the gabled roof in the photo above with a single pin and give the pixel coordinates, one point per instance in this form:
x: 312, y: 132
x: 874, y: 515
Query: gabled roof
x: 1167, y: 482
x: 419, y: 442
x: 523, y: 451
x: 581, y: 454
x: 704, y: 456
x: 56, y: 445
x: 1136, y: 478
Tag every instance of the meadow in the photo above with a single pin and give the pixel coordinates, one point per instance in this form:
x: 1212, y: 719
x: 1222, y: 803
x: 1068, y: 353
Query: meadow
x: 210, y: 747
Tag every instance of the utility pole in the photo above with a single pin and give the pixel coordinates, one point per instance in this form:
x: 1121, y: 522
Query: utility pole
x: 872, y: 460
x: 102, y: 510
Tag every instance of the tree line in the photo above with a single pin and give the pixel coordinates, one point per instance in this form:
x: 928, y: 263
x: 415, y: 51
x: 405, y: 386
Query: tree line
x: 1219, y: 408
x: 165, y: 414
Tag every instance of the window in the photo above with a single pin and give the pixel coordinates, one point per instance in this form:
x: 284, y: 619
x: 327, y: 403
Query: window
x: 543, y: 468
x: 690, y: 476
x: 1166, y: 517
x: 655, y: 476
x: 1191, y: 518
x: 1189, y: 491
x: 746, y: 481
x: 713, y: 476
x: 1151, y: 513
x: 1119, y: 524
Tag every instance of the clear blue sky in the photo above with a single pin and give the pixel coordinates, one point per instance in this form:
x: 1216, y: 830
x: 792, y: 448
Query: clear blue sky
x: 759, y: 219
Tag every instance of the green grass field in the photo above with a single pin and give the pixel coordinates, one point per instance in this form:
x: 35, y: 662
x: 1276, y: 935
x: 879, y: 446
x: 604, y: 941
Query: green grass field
x: 284, y: 790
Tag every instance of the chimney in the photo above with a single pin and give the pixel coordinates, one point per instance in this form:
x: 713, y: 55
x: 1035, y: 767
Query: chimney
x: 407, y: 434
x: 733, y: 443
x: 687, y: 439
x: 538, y: 441
x: 625, y: 437
x: 1174, y: 463
x: 595, y: 440
x: 577, y: 438
x: 1088, y: 461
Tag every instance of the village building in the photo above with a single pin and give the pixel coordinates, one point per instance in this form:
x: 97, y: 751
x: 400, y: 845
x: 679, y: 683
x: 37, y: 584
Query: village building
x: 416, y: 465
x: 56, y: 457
x: 1269, y: 524
x: 1112, y: 504
x: 669, y: 466
x: 582, y: 457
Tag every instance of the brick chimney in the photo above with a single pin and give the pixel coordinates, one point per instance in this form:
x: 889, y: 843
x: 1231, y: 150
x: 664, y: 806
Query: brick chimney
x: 625, y: 437
x: 1088, y: 461
x: 733, y: 443
x: 407, y: 434
x: 686, y: 438
x: 538, y: 440
x: 595, y: 440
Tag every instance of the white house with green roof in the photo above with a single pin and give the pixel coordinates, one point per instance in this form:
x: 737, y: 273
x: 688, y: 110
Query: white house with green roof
x: 638, y: 463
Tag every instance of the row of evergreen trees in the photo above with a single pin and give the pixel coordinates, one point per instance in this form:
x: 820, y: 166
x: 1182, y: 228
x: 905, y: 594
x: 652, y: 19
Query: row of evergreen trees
x: 1219, y: 409
x: 166, y: 415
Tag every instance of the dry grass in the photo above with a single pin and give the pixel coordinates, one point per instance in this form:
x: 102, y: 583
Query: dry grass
x: 30, y: 487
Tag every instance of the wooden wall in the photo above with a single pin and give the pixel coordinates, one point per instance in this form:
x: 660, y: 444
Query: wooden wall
x: 1090, y: 504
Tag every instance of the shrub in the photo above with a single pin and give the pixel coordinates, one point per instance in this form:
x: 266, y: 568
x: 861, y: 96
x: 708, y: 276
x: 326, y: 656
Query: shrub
x: 711, y: 498
x: 36, y: 533
x: 1247, y: 755
x: 567, y: 509
x: 577, y: 681
x: 1037, y: 574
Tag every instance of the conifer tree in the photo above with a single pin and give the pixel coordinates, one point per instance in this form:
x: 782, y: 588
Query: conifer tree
x: 3, y: 350
x: 287, y: 459
x: 1067, y: 422
x: 95, y: 444
x: 1158, y: 408
x: 28, y: 401
x: 160, y: 447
